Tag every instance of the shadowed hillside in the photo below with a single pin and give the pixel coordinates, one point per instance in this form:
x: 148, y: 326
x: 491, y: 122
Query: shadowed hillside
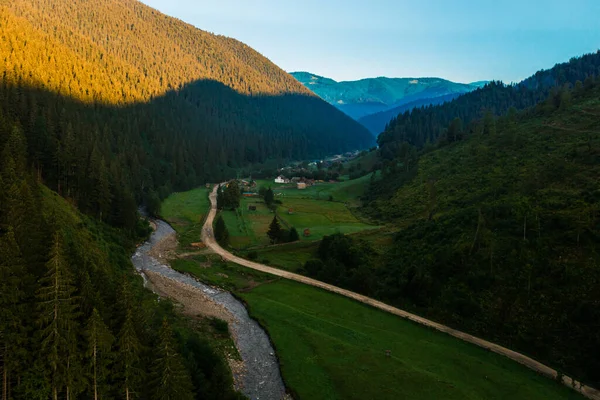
x: 121, y: 104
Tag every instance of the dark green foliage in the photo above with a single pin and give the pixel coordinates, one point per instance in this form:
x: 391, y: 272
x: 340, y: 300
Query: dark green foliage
x: 99, y: 345
x: 232, y: 195
x: 500, y: 232
x: 220, y: 198
x: 221, y: 232
x: 275, y: 232
x: 269, y: 196
x: 133, y: 115
x: 427, y: 124
x: 170, y: 380
x: 58, y: 321
x: 73, y: 289
x: 293, y: 235
x: 343, y: 261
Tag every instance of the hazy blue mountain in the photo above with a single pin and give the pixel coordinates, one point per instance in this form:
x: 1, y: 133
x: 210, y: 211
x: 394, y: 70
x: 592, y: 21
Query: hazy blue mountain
x: 375, y: 95
x: 376, y: 122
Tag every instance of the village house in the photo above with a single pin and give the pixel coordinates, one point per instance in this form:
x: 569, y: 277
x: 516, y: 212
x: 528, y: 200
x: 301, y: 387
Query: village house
x: 301, y: 185
x: 282, y: 179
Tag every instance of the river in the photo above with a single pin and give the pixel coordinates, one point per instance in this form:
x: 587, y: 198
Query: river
x: 262, y: 378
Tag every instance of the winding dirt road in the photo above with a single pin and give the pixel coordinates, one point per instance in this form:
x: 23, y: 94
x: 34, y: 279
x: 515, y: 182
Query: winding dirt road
x: 209, y: 240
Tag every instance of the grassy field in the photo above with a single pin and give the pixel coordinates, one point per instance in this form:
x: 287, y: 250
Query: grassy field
x: 322, y: 217
x: 346, y: 191
x: 185, y: 212
x: 331, y: 347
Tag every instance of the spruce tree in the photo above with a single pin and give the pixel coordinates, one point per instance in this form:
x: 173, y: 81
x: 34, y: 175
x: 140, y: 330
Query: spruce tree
x: 269, y: 196
x: 57, y: 320
x: 11, y: 308
x: 129, y: 348
x: 293, y: 236
x: 99, y: 344
x: 171, y: 381
x: 221, y: 232
x: 275, y: 232
x: 220, y: 198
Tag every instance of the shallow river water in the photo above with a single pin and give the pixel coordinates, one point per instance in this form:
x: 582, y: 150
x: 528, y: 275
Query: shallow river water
x: 262, y: 378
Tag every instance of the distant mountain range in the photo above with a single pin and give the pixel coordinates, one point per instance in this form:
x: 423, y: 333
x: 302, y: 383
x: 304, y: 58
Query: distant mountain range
x: 374, y: 101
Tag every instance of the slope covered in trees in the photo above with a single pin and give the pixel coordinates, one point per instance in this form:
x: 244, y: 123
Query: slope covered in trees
x: 497, y: 233
x: 377, y: 122
x: 118, y: 102
x: 74, y: 320
x: 425, y: 125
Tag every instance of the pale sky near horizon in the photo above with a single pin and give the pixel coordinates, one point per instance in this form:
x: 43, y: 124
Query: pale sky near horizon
x: 460, y: 40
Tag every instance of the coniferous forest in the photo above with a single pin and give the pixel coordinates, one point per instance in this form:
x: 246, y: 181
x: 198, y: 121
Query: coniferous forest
x: 106, y: 105
x: 495, y: 215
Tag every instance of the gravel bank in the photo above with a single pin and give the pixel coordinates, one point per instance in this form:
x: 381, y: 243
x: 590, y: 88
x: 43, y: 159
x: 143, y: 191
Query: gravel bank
x: 261, y: 378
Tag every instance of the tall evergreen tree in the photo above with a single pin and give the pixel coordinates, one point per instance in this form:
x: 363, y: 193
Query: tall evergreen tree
x: 275, y: 232
x: 170, y: 379
x: 269, y: 196
x: 57, y: 319
x: 232, y: 195
x: 220, y: 198
x: 221, y: 232
x: 99, y: 345
x: 128, y: 363
x: 11, y: 309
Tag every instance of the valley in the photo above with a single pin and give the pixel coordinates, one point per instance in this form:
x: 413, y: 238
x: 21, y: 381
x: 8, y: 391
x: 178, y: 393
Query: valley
x: 301, y: 323
x: 182, y: 219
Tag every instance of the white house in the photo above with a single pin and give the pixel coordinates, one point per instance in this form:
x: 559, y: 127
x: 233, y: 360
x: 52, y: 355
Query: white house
x: 280, y: 179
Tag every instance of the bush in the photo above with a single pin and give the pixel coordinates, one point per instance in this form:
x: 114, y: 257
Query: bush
x: 220, y: 326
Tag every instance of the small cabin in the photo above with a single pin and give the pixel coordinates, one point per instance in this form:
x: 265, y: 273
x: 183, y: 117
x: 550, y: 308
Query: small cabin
x: 301, y: 185
x: 290, y: 211
x: 306, y: 232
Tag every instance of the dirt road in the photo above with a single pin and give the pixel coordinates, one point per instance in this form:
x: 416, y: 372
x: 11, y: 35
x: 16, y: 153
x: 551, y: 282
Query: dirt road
x: 209, y: 240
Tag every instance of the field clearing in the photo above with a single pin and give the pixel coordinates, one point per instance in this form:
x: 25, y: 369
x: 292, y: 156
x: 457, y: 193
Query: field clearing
x: 185, y: 211
x: 331, y: 347
x: 249, y: 228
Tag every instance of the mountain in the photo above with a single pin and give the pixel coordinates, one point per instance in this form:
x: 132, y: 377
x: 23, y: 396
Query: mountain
x: 422, y: 126
x: 499, y: 231
x: 130, y: 89
x: 377, y: 122
x: 106, y: 105
x: 372, y: 95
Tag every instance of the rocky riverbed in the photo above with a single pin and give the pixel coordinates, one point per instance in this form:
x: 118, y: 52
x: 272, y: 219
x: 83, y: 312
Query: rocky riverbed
x: 260, y: 377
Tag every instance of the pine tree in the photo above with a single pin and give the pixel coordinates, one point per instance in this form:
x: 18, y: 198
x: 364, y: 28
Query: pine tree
x: 171, y: 381
x: 57, y: 318
x: 275, y: 232
x: 269, y: 196
x: 294, y: 235
x: 99, y: 344
x: 11, y: 308
x: 232, y: 195
x: 220, y: 198
x: 221, y: 232
x: 129, y: 348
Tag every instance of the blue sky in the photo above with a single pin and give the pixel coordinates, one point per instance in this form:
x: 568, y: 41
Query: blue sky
x: 460, y: 40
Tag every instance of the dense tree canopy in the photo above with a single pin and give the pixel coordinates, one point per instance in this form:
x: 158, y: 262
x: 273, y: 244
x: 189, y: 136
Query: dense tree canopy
x: 123, y: 105
x: 427, y: 124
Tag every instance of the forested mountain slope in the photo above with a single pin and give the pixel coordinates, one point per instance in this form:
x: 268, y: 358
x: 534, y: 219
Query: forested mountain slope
x: 499, y: 231
x: 421, y: 126
x: 118, y: 101
x: 74, y: 320
x: 376, y: 123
